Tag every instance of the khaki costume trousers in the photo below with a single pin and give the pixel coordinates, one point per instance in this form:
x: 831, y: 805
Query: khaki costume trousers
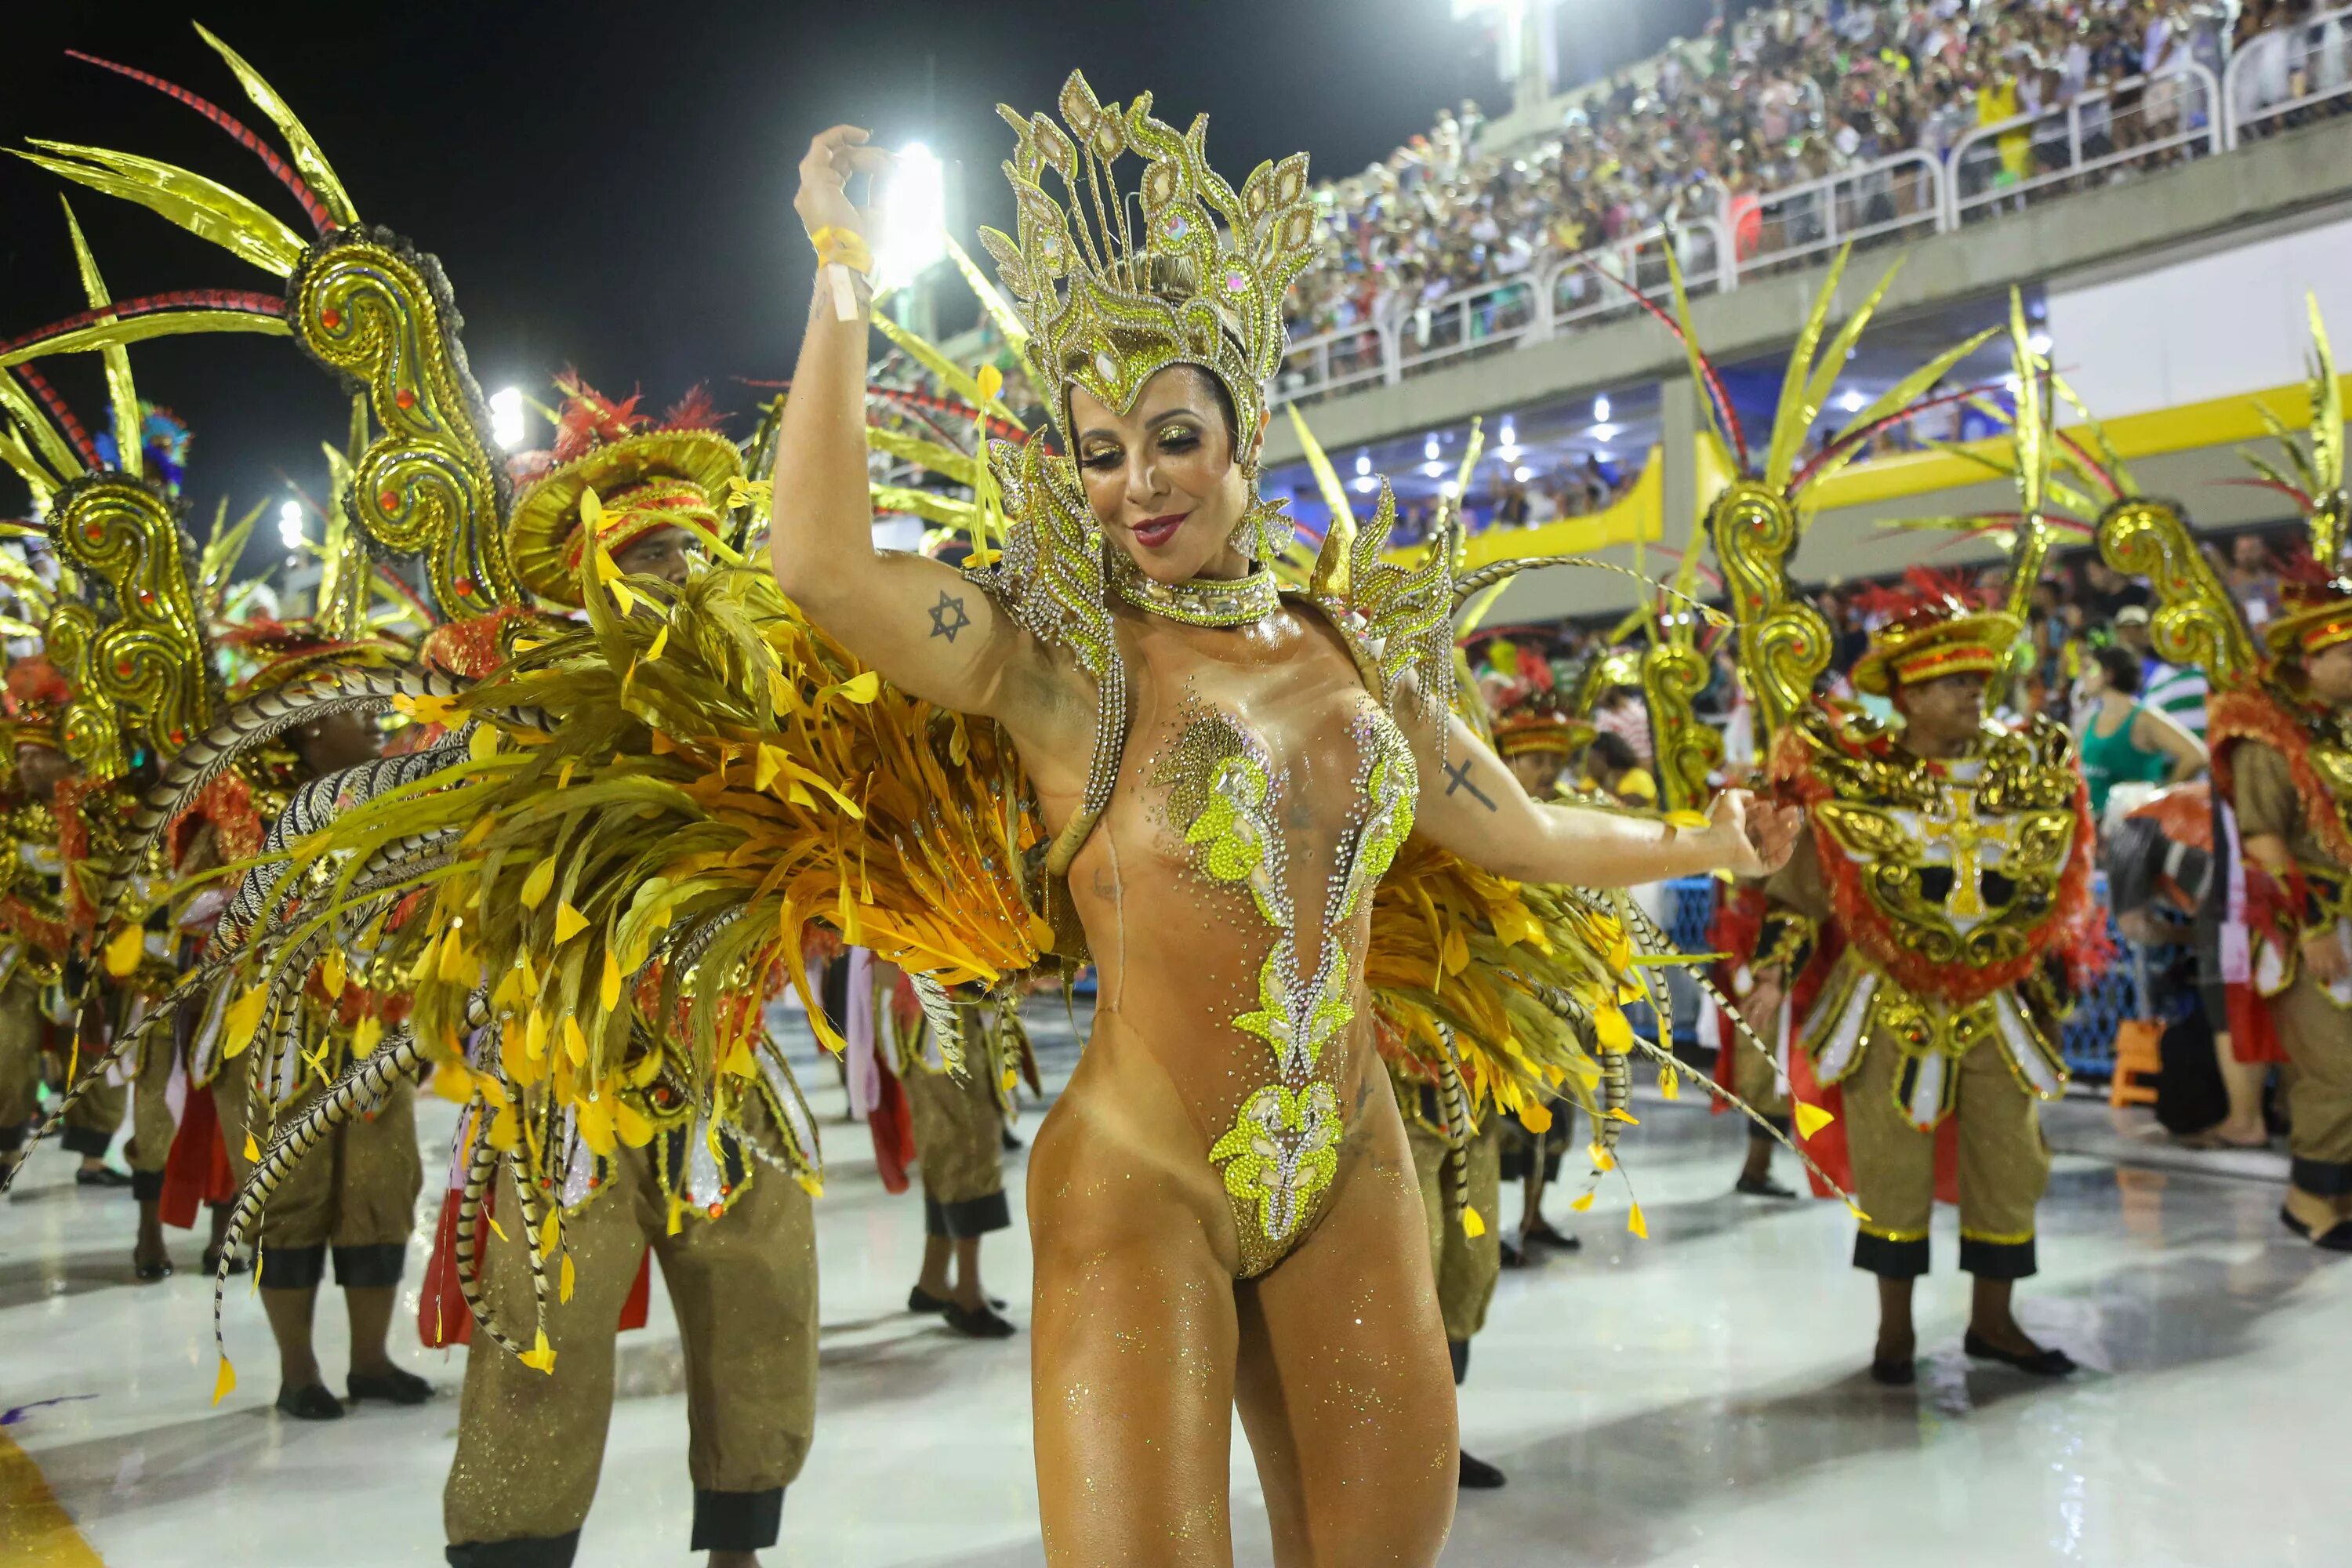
x: 2317, y: 1035
x: 2004, y: 1167
x: 1466, y: 1267
x: 1755, y: 1079
x: 90, y: 1125
x: 959, y: 1143
x: 531, y: 1443
x: 355, y: 1193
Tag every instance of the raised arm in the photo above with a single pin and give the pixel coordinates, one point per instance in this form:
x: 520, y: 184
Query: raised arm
x: 1471, y: 803
x: 916, y: 620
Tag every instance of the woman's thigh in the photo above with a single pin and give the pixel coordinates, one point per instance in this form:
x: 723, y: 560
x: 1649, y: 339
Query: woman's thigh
x: 1343, y: 1381
x: 1131, y: 1371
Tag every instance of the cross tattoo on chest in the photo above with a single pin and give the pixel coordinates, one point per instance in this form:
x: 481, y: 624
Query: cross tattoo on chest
x: 948, y: 617
x: 1457, y: 777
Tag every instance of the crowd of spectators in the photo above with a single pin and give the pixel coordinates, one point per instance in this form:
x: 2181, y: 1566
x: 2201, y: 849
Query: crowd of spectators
x: 1770, y: 98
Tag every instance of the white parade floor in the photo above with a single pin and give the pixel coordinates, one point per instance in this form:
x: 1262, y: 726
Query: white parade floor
x: 1694, y: 1400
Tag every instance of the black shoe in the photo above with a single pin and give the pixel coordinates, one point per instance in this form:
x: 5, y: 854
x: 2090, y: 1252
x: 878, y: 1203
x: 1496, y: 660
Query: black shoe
x: 1763, y: 1187
x: 312, y: 1403
x: 147, y: 1271
x: 104, y: 1176
x: 1513, y: 1256
x: 237, y: 1263
x: 921, y: 1301
x: 1011, y: 1142
x: 2336, y: 1239
x: 983, y: 1324
x: 1895, y: 1374
x: 1478, y: 1475
x: 397, y: 1386
x: 2045, y: 1363
x: 1542, y: 1231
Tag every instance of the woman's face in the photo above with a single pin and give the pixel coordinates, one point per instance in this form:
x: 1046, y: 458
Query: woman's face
x: 1161, y: 477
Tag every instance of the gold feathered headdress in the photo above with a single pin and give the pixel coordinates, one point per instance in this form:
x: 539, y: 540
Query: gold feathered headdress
x: 1107, y: 308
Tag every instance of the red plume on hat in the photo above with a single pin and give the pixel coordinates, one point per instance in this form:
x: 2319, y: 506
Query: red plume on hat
x: 589, y: 418
x: 1924, y: 596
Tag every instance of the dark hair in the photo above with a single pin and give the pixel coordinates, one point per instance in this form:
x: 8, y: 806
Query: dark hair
x: 2122, y: 668
x: 1615, y: 752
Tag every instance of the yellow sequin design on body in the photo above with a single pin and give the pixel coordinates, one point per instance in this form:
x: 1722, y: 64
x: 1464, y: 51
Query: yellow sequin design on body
x: 1283, y: 1149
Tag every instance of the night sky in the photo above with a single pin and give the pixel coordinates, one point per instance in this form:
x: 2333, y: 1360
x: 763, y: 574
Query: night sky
x: 609, y: 185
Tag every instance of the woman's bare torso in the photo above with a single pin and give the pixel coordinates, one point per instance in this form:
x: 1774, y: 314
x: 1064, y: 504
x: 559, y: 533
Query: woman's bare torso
x: 1226, y: 896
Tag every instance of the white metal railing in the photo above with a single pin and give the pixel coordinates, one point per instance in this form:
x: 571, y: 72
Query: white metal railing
x: 2144, y: 122
x: 1486, y: 316
x: 1535, y: 305
x: 2282, y: 74
x: 1891, y: 198
x: 1328, y: 362
x: 1703, y: 249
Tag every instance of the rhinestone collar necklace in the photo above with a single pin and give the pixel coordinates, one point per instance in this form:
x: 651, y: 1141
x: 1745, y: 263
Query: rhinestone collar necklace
x: 1205, y: 600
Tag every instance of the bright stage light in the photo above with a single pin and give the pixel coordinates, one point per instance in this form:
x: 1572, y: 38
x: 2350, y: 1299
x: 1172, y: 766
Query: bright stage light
x: 1523, y: 473
x: 1600, y: 409
x: 2039, y: 344
x: 1433, y: 470
x: 914, y: 217
x: 289, y: 523
x: 1450, y: 491
x: 1363, y: 462
x: 506, y: 418
x: 1605, y: 433
x: 1852, y: 400
x: 1429, y: 448
x: 1367, y: 483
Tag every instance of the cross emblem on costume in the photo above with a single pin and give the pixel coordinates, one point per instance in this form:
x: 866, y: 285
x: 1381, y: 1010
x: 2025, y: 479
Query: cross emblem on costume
x: 948, y: 617
x: 1953, y: 832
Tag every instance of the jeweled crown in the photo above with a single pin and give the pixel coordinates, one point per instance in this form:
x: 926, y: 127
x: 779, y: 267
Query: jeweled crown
x: 1107, y: 305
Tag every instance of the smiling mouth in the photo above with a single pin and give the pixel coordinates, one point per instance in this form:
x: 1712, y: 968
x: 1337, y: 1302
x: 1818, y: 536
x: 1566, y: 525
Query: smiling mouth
x: 1156, y: 531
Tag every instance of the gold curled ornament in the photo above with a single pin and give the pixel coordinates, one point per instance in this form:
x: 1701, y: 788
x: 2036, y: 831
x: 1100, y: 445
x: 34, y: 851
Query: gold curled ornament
x: 365, y: 304
x: 1673, y: 675
x: 1784, y: 641
x: 2196, y: 623
x: 134, y: 648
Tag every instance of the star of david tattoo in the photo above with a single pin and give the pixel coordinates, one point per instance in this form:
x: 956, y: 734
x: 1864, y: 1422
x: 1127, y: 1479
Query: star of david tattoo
x: 1457, y: 777
x: 948, y: 617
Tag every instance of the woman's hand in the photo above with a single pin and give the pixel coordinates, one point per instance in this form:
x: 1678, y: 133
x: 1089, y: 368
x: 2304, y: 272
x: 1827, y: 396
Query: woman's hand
x: 1754, y: 839
x: 823, y: 201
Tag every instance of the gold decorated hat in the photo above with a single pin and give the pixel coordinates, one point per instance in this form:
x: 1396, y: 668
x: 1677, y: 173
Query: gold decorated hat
x: 1531, y: 714
x: 2318, y: 616
x: 645, y: 476
x: 1541, y: 730
x: 1934, y: 629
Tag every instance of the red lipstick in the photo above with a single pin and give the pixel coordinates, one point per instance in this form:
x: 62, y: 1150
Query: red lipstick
x: 1153, y: 532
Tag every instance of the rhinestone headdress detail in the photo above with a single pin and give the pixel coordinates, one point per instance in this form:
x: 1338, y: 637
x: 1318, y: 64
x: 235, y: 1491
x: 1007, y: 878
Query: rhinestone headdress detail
x: 1201, y: 283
